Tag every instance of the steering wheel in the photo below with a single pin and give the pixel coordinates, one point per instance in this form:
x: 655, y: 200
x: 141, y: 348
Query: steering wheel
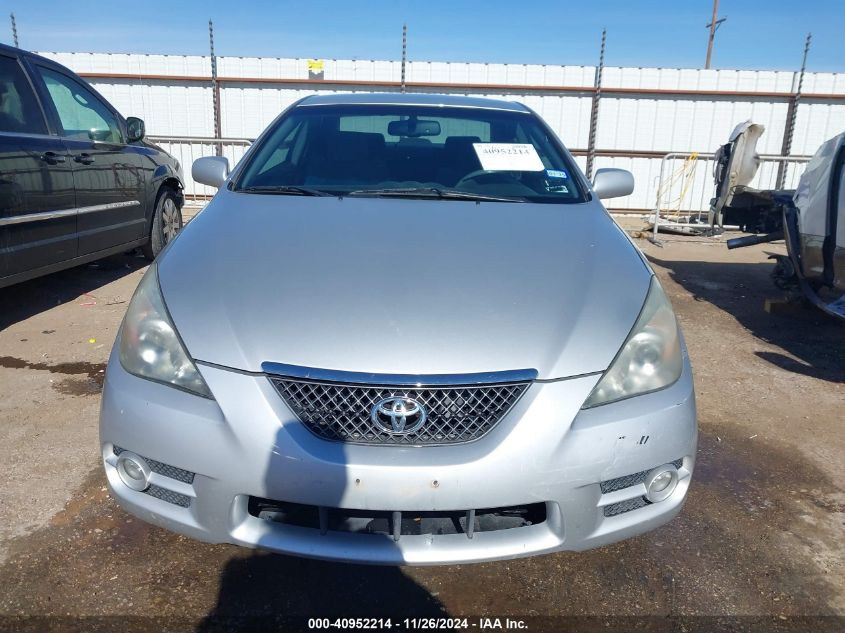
x: 474, y: 175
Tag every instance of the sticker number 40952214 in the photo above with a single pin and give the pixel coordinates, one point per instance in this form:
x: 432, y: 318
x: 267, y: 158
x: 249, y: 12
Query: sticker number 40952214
x: 508, y: 157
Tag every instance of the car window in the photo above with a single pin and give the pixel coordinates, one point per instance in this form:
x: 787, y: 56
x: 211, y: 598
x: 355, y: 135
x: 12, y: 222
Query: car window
x: 345, y: 148
x: 290, y: 140
x: 81, y: 114
x: 448, y: 127
x: 19, y: 110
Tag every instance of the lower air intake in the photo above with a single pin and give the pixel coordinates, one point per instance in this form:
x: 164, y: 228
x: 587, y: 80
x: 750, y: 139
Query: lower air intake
x: 169, y: 496
x: 627, y: 481
x: 620, y: 483
x: 615, y: 509
x: 397, y: 524
x: 161, y: 468
x: 166, y: 470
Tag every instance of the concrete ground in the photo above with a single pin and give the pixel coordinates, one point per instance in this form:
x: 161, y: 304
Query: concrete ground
x: 762, y: 533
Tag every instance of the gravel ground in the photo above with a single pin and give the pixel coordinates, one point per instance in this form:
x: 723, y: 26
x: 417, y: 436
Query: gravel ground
x: 762, y: 534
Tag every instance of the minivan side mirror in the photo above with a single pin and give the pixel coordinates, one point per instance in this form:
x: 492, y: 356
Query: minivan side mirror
x: 613, y: 183
x: 210, y: 170
x: 135, y: 129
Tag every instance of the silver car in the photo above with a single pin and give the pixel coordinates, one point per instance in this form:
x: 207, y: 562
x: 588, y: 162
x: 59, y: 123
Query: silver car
x: 404, y: 331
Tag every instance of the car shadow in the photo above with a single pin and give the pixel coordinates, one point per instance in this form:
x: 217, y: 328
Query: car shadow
x: 265, y: 591
x: 812, y: 342
x: 24, y: 300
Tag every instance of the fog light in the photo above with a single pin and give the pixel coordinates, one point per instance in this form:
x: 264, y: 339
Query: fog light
x: 660, y: 483
x: 133, y: 471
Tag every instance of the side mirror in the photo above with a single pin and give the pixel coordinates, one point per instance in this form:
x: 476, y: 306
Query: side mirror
x: 613, y: 183
x: 210, y: 170
x: 135, y: 129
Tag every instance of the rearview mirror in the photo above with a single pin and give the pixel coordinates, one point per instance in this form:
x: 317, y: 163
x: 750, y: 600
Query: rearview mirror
x: 210, y: 170
x: 613, y: 183
x: 135, y: 129
x: 413, y: 127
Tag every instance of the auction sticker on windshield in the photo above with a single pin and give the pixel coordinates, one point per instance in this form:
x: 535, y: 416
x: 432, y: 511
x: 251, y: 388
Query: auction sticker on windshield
x: 508, y: 157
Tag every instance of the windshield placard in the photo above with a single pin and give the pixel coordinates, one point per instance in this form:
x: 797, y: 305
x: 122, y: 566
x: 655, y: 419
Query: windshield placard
x: 508, y: 157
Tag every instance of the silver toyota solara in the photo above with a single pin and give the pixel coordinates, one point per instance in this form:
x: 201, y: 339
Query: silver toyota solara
x: 404, y: 331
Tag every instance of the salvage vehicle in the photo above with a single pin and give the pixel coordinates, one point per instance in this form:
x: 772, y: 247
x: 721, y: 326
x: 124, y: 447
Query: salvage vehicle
x: 404, y: 331
x: 810, y: 219
x: 78, y: 182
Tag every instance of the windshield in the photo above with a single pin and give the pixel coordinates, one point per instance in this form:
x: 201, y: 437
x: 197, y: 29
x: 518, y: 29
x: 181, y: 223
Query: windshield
x: 411, y: 151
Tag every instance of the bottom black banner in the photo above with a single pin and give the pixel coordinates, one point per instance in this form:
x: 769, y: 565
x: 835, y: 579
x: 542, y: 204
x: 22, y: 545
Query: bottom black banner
x: 403, y: 624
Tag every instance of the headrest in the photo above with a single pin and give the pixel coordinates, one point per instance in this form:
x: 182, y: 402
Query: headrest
x: 454, y: 142
x: 355, y: 144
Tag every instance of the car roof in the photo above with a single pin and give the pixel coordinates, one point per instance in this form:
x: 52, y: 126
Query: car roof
x: 412, y: 98
x: 5, y: 48
x: 22, y: 52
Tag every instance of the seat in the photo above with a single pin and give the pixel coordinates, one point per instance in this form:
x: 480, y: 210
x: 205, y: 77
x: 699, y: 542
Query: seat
x: 348, y: 158
x: 459, y: 159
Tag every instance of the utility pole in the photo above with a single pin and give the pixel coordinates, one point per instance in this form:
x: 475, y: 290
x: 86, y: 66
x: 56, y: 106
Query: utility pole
x: 715, y: 23
x: 14, y: 30
x: 404, y: 52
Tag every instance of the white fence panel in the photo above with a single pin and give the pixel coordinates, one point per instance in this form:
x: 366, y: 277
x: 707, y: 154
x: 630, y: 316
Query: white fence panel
x: 653, y: 110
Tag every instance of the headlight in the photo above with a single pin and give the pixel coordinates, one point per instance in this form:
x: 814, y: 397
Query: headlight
x: 150, y: 347
x: 649, y: 360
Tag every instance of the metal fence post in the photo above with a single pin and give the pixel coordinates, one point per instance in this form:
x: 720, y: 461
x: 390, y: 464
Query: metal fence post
x: 215, y: 90
x: 594, y: 112
x: 404, y: 53
x: 791, y: 115
x: 14, y: 30
x: 654, y: 239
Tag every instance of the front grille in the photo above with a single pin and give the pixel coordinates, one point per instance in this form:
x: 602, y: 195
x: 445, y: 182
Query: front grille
x: 341, y: 412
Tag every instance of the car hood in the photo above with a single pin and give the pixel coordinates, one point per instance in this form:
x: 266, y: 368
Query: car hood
x: 402, y: 286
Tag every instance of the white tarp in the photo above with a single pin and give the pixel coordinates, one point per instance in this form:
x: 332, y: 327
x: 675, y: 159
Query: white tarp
x: 741, y: 167
x: 744, y: 161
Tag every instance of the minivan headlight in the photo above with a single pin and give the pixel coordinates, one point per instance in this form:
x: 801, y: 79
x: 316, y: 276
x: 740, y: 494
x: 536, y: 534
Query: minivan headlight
x: 649, y: 360
x: 150, y: 347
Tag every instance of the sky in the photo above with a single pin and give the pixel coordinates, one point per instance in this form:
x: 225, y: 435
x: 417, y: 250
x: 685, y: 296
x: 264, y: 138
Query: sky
x: 758, y: 34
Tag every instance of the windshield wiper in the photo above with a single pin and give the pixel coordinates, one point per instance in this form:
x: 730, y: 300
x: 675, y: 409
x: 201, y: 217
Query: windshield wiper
x: 285, y: 190
x: 431, y: 192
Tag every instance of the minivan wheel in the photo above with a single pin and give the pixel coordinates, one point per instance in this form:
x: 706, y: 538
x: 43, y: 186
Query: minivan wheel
x: 167, y: 222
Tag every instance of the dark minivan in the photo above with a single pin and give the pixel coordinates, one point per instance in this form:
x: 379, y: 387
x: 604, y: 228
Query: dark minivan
x: 77, y: 180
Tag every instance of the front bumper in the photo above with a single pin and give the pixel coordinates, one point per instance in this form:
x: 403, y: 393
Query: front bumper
x: 248, y: 443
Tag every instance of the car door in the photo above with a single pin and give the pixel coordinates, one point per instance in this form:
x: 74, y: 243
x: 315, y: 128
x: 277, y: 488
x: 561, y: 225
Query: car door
x: 836, y: 221
x: 37, y: 206
x: 107, y: 172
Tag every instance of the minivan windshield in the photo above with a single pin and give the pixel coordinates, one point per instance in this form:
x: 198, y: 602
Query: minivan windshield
x: 411, y: 151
